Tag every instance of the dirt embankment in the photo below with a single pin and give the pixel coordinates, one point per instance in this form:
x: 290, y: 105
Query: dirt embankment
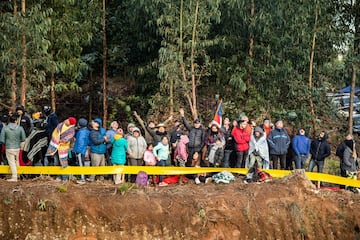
x: 289, y: 208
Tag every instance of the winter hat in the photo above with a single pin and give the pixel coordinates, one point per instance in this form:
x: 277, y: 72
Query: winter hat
x: 83, y: 122
x: 259, y: 129
x: 136, y: 129
x: 197, y: 120
x: 161, y: 125
x: 277, y: 120
x: 20, y: 107
x: 72, y: 120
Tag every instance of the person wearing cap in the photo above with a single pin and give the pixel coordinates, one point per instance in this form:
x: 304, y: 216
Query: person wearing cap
x: 51, y: 119
x: 136, y: 149
x: 60, y: 143
x: 24, y: 119
x: 196, y: 136
x: 12, y: 136
x: 81, y: 144
x: 301, y: 148
x: 98, y: 142
x: 118, y: 153
x: 258, y: 150
x: 279, y: 142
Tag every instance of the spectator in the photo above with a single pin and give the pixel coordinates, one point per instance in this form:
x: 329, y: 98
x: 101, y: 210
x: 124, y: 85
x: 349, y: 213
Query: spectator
x: 161, y: 152
x: 97, y: 142
x: 81, y: 145
x: 242, y: 139
x: 214, y: 154
x: 319, y: 149
x: 181, y: 155
x: 51, y: 119
x: 118, y: 154
x: 229, y: 142
x: 196, y: 136
x: 266, y: 126
x: 340, y: 151
x: 110, y: 134
x: 136, y: 149
x: 24, y: 119
x: 279, y: 142
x: 12, y: 136
x: 258, y: 150
x: 301, y: 148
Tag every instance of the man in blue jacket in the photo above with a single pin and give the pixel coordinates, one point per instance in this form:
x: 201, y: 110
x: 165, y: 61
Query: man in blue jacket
x: 301, y: 148
x: 279, y: 142
x: 98, y: 142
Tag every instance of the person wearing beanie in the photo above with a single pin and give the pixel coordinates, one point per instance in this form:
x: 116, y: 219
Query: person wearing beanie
x: 81, y: 145
x: 24, y: 119
x: 301, y: 148
x: 118, y: 154
x: 279, y: 142
x: 60, y: 143
x: 319, y: 150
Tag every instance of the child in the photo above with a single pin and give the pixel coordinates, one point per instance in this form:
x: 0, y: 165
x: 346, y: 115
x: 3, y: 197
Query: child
x: 202, y: 177
x: 214, y: 154
x: 161, y: 152
x: 118, y: 154
x: 149, y: 159
x: 181, y: 154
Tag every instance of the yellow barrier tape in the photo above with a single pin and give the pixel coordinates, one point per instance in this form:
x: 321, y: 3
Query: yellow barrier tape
x: 170, y: 171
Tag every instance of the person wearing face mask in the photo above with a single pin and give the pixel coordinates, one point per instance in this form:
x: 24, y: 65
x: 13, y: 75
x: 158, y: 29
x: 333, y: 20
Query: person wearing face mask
x: 319, y: 150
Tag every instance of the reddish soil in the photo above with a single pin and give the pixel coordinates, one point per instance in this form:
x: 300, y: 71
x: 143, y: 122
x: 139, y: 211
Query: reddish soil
x: 288, y: 208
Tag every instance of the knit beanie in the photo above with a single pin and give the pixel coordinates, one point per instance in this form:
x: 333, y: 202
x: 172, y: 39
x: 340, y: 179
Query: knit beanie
x: 72, y: 120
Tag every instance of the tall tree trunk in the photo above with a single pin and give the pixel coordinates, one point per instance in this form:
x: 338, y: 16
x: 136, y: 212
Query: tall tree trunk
x: 13, y: 71
x: 91, y: 96
x: 251, y: 44
x: 105, y: 106
x: 193, y: 102
x: 23, y: 58
x: 52, y: 91
x: 311, y: 102
x: 355, y: 64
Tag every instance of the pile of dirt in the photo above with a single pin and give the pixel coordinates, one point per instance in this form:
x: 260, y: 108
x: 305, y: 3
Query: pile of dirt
x: 288, y: 208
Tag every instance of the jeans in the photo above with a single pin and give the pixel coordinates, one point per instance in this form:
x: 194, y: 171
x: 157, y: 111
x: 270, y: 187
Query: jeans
x: 275, y: 158
x: 319, y: 164
x: 226, y: 160
x: 241, y: 158
x: 81, y: 160
x: 54, y: 162
x: 300, y: 161
x: 161, y: 163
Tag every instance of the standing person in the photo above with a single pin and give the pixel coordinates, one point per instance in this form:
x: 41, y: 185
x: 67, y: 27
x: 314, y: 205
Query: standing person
x: 181, y: 155
x: 266, y: 126
x: 51, y: 119
x: 98, y: 142
x: 319, y: 149
x: 213, y: 133
x: 118, y: 154
x: 81, y: 145
x: 130, y: 129
x: 137, y: 147
x: 258, y: 150
x: 242, y: 139
x: 348, y: 162
x: 12, y: 136
x: 301, y: 148
x: 24, y: 119
x: 114, y: 126
x: 196, y: 136
x: 340, y: 151
x: 229, y: 142
x: 161, y: 152
x: 279, y: 142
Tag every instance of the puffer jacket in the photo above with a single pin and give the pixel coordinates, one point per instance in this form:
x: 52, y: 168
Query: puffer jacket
x: 97, y: 142
x: 242, y: 139
x: 82, y: 140
x: 279, y: 141
x: 181, y: 149
x: 196, y: 135
x: 118, y: 153
x: 137, y: 146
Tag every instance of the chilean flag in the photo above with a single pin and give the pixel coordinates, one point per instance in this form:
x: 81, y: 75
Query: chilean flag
x: 218, y: 114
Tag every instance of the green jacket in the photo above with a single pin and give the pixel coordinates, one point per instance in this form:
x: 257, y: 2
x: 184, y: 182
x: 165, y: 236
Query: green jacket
x: 12, y: 135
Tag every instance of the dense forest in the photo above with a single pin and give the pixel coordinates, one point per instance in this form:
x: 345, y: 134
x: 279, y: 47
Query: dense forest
x: 108, y: 58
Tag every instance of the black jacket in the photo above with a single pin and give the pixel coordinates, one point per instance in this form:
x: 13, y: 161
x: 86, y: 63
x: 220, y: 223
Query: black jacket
x: 320, y: 149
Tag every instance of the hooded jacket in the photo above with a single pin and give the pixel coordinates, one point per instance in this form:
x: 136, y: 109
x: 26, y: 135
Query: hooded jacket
x: 348, y: 163
x: 137, y: 145
x: 81, y: 140
x: 320, y: 149
x: 259, y: 145
x: 97, y: 142
x: 119, y: 149
x: 12, y: 135
x: 242, y: 139
x: 181, y: 149
x: 279, y: 141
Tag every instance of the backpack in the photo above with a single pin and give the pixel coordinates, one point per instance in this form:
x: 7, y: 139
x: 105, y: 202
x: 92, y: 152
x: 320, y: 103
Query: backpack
x: 141, y: 179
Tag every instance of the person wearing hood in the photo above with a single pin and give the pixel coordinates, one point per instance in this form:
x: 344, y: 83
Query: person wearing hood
x: 130, y: 129
x: 24, y: 119
x: 98, y: 141
x: 301, y: 148
x: 258, y: 150
x: 279, y: 142
x: 118, y: 154
x: 81, y: 144
x: 319, y: 150
x: 13, y: 136
x: 136, y: 149
x: 181, y: 154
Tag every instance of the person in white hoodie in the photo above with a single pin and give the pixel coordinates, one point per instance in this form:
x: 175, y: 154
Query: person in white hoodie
x: 136, y: 149
x: 258, y: 150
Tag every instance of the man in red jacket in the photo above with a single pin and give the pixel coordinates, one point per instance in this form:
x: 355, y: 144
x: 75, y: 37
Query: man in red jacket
x: 242, y: 139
